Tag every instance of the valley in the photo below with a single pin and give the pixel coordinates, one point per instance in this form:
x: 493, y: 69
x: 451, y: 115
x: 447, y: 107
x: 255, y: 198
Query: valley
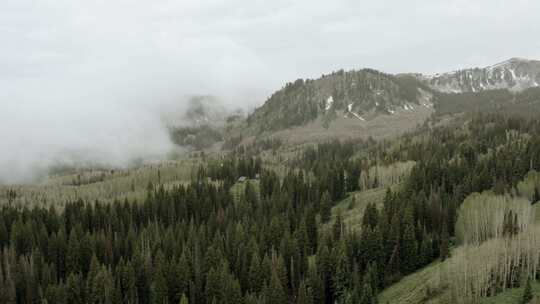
x: 357, y: 187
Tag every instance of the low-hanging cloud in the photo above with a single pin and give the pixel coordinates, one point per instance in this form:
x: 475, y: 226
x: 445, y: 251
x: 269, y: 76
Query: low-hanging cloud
x: 91, y: 79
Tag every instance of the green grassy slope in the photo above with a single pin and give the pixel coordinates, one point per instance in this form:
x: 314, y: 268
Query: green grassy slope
x: 413, y: 288
x: 352, y: 207
x: 512, y: 296
x: 115, y: 184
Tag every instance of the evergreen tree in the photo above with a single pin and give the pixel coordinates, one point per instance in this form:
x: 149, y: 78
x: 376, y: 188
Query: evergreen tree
x: 102, y: 289
x: 371, y: 277
x: 255, y: 275
x: 371, y: 217
x: 338, y: 227
x: 4, y: 236
x: 393, y: 252
x: 371, y: 247
x: 409, y: 254
x: 125, y: 276
x: 326, y: 207
x: 527, y: 293
x: 159, y: 292
x: 315, y: 284
x: 312, y: 230
x: 342, y: 273
x: 368, y: 296
x: 73, y: 255
x: 536, y: 196
x: 75, y: 289
x: 353, y: 177
x: 213, y: 286
x: 95, y: 267
x: 8, y: 292
x: 444, y: 250
x: 426, y: 250
x: 304, y: 296
x: 326, y: 270
x: 55, y: 294
x: 275, y: 293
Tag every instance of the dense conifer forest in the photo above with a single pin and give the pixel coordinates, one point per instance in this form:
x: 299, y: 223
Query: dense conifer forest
x: 277, y: 241
x: 269, y: 152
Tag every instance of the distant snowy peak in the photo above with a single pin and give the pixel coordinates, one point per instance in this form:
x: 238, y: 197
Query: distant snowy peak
x: 515, y: 74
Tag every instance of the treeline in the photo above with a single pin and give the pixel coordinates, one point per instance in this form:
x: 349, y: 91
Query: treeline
x: 525, y: 103
x: 258, y: 146
x: 230, y: 168
x: 192, y: 244
x: 491, y: 152
x: 196, y: 244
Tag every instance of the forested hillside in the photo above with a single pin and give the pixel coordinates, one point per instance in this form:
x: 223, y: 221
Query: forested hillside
x: 525, y: 103
x: 241, y: 231
x: 269, y: 152
x: 359, y: 94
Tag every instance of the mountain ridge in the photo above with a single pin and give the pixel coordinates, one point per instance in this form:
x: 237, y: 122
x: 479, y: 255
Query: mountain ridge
x: 356, y: 94
x: 515, y: 74
x: 365, y: 94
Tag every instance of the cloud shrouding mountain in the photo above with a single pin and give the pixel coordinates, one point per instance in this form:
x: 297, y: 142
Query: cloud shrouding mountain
x: 92, y: 78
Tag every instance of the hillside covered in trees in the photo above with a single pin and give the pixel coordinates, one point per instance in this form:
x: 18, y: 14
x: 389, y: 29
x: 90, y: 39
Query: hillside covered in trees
x: 358, y: 94
x: 241, y: 229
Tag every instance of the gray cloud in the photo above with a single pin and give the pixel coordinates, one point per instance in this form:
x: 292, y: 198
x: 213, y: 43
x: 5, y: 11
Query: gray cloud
x: 95, y: 75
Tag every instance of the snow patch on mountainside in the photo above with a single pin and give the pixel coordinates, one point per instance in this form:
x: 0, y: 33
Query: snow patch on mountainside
x: 358, y: 116
x: 515, y: 74
x: 329, y: 103
x: 349, y: 110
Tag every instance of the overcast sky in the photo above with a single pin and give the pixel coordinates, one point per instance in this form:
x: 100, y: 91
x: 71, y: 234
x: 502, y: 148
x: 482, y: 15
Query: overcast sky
x: 94, y: 75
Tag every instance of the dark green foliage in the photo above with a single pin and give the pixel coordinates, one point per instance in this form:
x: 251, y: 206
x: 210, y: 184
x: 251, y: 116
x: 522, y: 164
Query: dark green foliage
x: 275, y: 292
x: 342, y: 276
x: 75, y: 288
x: 315, y: 284
x: 536, y: 197
x: 425, y: 254
x: 409, y: 245
x: 527, y: 293
x: 326, y: 208
x: 371, y: 217
x: 290, y: 106
x: 197, y: 243
x: 304, y: 295
x: 4, y: 235
x: 197, y: 137
x: 444, y: 250
x: 159, y: 292
x: 311, y: 230
x: 524, y: 103
x: 368, y: 295
x: 338, y: 228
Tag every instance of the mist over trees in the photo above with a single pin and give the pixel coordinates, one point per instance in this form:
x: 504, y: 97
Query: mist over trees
x: 239, y: 231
